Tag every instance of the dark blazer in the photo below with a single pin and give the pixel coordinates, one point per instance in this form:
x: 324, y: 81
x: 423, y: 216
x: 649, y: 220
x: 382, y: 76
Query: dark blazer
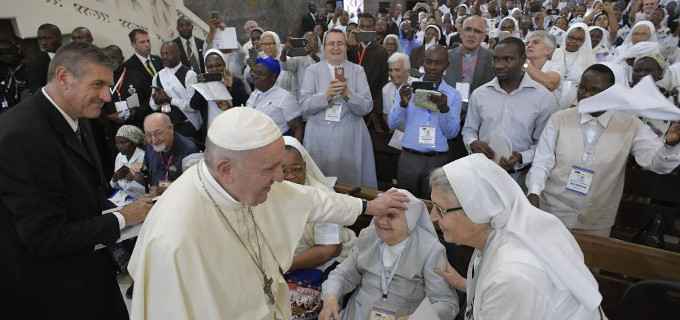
x: 36, y: 71
x: 308, y: 22
x: 51, y: 198
x: 135, y: 63
x: 198, y: 47
x: 483, y: 69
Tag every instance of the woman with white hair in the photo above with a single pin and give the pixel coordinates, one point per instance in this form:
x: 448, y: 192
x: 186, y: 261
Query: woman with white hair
x: 392, y: 44
x: 526, y: 265
x: 398, y: 68
x: 271, y: 47
x: 539, y: 50
x: 392, y: 269
x: 574, y: 56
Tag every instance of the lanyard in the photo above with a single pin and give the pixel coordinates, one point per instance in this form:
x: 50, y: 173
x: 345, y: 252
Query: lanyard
x: 566, y: 69
x: 119, y: 84
x: 361, y: 55
x: 384, y: 283
x: 462, y: 64
x: 167, y: 166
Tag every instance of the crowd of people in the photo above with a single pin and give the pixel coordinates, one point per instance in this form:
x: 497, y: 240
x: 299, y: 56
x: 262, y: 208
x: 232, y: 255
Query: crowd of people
x: 550, y: 99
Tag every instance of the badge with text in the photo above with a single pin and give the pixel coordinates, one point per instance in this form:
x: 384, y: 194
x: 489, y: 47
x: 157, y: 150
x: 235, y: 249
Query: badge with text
x: 164, y: 183
x: 383, y: 311
x: 426, y: 136
x: 333, y: 112
x: 580, y: 180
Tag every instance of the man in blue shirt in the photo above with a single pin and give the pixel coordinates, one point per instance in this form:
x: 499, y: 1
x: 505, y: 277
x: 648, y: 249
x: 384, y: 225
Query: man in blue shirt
x: 164, y: 152
x: 425, y: 144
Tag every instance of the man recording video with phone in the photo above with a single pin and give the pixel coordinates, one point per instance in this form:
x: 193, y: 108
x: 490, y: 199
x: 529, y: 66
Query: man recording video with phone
x: 365, y: 51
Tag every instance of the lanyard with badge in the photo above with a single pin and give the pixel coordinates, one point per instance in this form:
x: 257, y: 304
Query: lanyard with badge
x: 566, y: 84
x: 427, y: 133
x: 381, y: 309
x: 580, y: 177
x: 464, y: 87
x: 334, y: 109
x: 121, y: 105
x: 168, y: 167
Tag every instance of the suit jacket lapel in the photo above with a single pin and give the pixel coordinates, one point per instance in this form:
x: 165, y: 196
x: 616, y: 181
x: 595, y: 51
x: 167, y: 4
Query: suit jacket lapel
x: 482, y: 60
x: 88, y: 142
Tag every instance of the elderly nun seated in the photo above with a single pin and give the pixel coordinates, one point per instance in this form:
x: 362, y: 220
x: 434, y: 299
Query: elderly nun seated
x: 392, y: 269
x: 526, y: 265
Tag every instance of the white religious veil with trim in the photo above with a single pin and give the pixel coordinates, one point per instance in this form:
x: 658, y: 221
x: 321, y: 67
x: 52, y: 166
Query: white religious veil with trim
x: 213, y: 109
x: 489, y: 195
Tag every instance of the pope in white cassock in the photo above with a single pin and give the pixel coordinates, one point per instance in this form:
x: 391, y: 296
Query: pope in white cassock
x: 214, y: 246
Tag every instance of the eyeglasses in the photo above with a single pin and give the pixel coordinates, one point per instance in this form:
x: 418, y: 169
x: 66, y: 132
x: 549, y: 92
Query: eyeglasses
x: 572, y: 38
x: 441, y: 211
x: 157, y: 134
x: 267, y: 44
x: 295, y: 170
x: 335, y: 44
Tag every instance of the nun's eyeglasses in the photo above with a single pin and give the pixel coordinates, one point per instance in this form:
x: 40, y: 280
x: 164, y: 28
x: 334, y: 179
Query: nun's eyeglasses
x: 441, y: 211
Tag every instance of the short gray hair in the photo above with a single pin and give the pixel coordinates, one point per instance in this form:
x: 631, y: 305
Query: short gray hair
x: 214, y: 153
x: 486, y: 26
x: 75, y: 56
x: 439, y: 180
x: 548, y: 40
x: 400, y: 57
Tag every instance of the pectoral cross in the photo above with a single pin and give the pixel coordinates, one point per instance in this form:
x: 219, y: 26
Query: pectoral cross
x: 268, y: 289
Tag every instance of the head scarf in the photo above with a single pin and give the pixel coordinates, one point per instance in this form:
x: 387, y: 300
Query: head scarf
x: 399, y: 47
x: 132, y: 133
x: 489, y: 195
x: 602, y: 50
x: 620, y: 76
x: 277, y: 41
x: 589, y: 10
x: 628, y: 42
x: 214, y: 51
x: 271, y: 64
x: 513, y: 11
x: 656, y: 57
x: 644, y: 100
x: 584, y: 56
x: 434, y: 40
x: 315, y: 177
x: 464, y: 6
x: 401, y: 35
x: 243, y: 129
x: 515, y: 33
x: 417, y: 214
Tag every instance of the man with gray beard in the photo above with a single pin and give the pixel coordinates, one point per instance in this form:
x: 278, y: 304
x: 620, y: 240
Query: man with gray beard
x: 164, y: 152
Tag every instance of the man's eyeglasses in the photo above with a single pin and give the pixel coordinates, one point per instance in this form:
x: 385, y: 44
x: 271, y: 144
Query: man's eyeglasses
x: 441, y: 211
x: 295, y: 170
x: 157, y: 134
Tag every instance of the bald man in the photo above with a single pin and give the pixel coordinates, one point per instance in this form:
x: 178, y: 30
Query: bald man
x: 470, y: 63
x: 172, y: 91
x: 81, y: 34
x: 191, y: 48
x: 49, y: 39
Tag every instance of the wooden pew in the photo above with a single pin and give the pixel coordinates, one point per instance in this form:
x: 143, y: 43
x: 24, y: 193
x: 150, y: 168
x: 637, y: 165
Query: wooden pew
x: 612, y: 257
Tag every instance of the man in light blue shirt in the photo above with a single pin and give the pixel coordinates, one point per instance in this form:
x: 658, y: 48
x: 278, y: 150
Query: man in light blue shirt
x: 424, y: 145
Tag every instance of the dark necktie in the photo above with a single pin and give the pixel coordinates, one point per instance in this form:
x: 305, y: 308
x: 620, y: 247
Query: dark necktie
x: 79, y: 134
x: 192, y: 58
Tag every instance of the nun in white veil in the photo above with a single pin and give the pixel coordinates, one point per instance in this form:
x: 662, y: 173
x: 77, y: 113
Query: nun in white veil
x: 514, y: 33
x: 573, y: 61
x: 526, y: 264
x: 629, y: 42
x: 602, y: 50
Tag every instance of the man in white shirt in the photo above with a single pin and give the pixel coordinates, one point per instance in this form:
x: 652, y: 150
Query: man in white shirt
x: 512, y: 107
x: 580, y: 161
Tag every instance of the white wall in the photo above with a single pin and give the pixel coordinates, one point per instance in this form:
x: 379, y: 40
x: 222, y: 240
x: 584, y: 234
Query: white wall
x: 109, y: 20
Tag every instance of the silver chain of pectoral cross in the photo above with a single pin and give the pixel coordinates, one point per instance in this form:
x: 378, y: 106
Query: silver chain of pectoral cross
x: 267, y: 287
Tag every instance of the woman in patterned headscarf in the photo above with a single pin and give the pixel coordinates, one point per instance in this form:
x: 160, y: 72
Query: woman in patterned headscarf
x: 129, y: 141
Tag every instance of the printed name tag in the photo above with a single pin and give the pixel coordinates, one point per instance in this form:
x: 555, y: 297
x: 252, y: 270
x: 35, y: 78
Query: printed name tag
x: 383, y: 312
x: 580, y: 180
x: 426, y: 135
x: 333, y: 113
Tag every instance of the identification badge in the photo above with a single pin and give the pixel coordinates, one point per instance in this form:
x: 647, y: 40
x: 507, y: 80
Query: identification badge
x: 164, y: 183
x: 426, y: 136
x: 580, y: 180
x: 333, y: 113
x: 464, y: 89
x: 121, y: 106
x: 383, y: 311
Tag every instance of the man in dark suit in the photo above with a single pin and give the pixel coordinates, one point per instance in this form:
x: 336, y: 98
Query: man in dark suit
x: 191, y: 48
x: 309, y: 19
x: 470, y: 63
x: 133, y: 83
x: 51, y: 198
x: 49, y: 39
x: 143, y: 60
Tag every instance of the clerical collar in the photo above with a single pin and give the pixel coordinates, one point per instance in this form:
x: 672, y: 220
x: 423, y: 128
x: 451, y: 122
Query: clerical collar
x: 473, y: 53
x: 73, y: 123
x: 213, y: 183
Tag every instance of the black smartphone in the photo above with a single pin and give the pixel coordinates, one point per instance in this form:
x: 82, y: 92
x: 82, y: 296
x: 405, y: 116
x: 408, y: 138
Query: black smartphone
x: 383, y: 6
x: 366, y: 36
x: 214, y: 15
x: 414, y: 19
x: 252, y: 54
x: 298, y: 42
x: 212, y: 76
x: 297, y: 52
x: 427, y: 85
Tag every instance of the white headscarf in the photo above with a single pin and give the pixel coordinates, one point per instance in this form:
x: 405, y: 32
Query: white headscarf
x: 513, y: 11
x: 314, y: 176
x: 584, y: 56
x: 277, y: 42
x: 589, y: 10
x: 602, y: 50
x: 399, y: 47
x: 628, y: 42
x: 620, y: 76
x: 489, y: 195
x: 434, y: 40
x: 417, y: 214
x: 515, y: 33
x: 644, y: 100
